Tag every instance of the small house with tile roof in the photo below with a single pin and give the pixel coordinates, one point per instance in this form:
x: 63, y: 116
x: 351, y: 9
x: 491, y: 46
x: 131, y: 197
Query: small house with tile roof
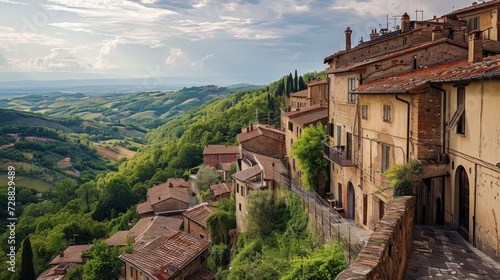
x: 262, y: 139
x: 144, y: 231
x: 257, y: 172
x: 174, y: 255
x: 220, y: 157
x: 194, y: 220
x: 66, y: 260
x: 169, y: 199
x: 220, y: 191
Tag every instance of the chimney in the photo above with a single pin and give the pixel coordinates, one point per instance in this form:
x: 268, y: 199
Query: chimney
x: 132, y: 239
x: 437, y: 33
x: 289, y: 109
x: 475, y: 46
x: 348, y: 33
x: 374, y: 34
x: 226, y: 145
x: 248, y: 129
x: 251, y: 127
x: 107, y: 235
x: 170, y: 185
x: 405, y: 23
x: 61, y: 254
x: 206, y: 145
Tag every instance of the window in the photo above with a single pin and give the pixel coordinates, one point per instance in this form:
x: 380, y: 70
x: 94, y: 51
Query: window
x: 381, y: 209
x: 365, y: 209
x: 242, y: 190
x: 214, y: 157
x: 291, y: 141
x: 458, y: 118
x: 331, y: 128
x: 387, y: 113
x: 293, y: 164
x: 351, y: 85
x: 386, y: 151
x: 239, y: 206
x: 339, y: 192
x: 290, y: 126
x: 339, y: 135
x: 364, y: 112
x: 473, y: 24
x: 237, y: 188
x: 202, y: 236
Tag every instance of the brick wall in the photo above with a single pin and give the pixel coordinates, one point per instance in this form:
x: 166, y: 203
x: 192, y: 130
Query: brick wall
x: 426, y: 124
x: 386, y: 253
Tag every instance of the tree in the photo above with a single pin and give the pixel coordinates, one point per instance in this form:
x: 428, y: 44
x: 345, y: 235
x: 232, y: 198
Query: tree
x: 265, y: 213
x: 104, y: 263
x: 302, y: 84
x: 404, y: 177
x: 27, y: 270
x: 205, y: 178
x: 309, y: 153
x: 296, y: 82
x: 88, y: 193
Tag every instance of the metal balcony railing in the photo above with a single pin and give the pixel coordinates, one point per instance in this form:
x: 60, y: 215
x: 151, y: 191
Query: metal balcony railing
x: 338, y: 155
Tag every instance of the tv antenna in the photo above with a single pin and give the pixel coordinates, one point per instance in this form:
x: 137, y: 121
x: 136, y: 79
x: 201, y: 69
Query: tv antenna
x: 394, y: 18
x: 417, y: 12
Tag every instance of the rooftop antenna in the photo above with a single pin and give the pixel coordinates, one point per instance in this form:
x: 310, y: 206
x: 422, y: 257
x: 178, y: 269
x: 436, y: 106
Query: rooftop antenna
x: 395, y: 18
x: 416, y: 14
x: 387, y: 21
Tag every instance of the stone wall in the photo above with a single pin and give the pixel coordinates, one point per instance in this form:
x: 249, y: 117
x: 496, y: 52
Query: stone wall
x: 386, y: 253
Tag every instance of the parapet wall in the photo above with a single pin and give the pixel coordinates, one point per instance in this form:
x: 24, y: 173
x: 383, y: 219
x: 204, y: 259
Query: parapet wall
x: 385, y: 254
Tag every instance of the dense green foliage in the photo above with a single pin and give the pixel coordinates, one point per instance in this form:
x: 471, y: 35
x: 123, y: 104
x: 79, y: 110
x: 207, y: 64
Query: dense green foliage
x: 287, y: 251
x: 104, y: 263
x: 221, y: 221
x: 404, y: 177
x: 309, y: 153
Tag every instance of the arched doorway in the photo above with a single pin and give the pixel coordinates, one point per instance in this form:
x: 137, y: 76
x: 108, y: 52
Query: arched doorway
x: 351, y: 206
x: 463, y: 201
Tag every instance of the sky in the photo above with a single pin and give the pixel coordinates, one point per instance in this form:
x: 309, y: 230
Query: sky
x: 228, y: 41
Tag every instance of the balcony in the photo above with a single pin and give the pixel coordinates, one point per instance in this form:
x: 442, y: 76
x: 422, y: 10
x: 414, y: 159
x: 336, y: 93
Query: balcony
x: 338, y: 155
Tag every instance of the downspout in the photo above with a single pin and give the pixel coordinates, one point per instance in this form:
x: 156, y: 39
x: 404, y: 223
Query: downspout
x: 475, y: 199
x: 407, y: 126
x: 443, y: 149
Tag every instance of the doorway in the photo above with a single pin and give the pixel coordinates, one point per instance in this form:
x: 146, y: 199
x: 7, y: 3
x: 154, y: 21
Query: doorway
x: 351, y: 207
x: 463, y: 201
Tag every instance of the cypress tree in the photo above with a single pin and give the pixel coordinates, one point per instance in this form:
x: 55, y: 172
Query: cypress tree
x: 302, y: 84
x: 296, y: 82
x: 27, y: 270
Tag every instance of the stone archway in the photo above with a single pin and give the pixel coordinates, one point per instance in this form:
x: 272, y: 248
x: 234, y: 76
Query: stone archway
x: 463, y: 187
x: 351, y: 201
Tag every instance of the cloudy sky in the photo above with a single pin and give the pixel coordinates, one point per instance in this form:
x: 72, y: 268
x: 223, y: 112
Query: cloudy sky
x: 230, y: 41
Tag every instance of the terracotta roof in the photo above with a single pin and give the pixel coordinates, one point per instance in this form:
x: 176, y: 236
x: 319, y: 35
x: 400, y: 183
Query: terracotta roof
x: 201, y: 274
x: 266, y: 163
x: 302, y: 93
x: 144, y: 207
x: 221, y: 188
x: 119, y: 238
x: 166, y: 255
x: 72, y: 254
x: 227, y: 166
x: 220, y: 149
x: 145, y: 230
x: 199, y: 213
x: 174, y: 188
x: 399, y: 52
x: 413, y: 81
x: 316, y: 82
x: 259, y: 130
x: 310, y: 117
x: 247, y: 173
x: 474, y: 7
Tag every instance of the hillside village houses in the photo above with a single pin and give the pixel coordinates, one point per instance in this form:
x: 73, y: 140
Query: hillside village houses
x: 423, y: 92
x: 170, y: 198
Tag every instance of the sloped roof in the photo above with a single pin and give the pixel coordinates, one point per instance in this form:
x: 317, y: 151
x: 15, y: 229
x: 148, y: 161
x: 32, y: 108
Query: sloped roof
x: 166, y: 255
x: 413, y: 81
x: 266, y: 164
x: 147, y: 229
x: 261, y: 130
x: 308, y: 115
x: 174, y: 188
x: 302, y: 93
x: 144, y: 207
x: 396, y: 53
x: 221, y: 188
x: 220, y: 149
x: 199, y: 213
x: 316, y: 82
x: 72, y: 254
x: 474, y: 7
x: 247, y: 173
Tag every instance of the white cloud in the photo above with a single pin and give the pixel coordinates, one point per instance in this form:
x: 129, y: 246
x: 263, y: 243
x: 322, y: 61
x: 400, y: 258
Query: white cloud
x: 58, y: 59
x: 200, y: 63
x: 173, y: 56
x: 13, y: 2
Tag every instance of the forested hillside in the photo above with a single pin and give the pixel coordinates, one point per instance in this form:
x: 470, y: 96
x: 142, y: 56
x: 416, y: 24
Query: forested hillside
x: 105, y: 201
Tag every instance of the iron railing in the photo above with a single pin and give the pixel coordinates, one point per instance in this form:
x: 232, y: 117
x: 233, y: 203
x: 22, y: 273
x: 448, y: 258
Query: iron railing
x: 338, y: 155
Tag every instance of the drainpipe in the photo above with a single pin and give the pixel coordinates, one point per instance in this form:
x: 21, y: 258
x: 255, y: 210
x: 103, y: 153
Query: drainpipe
x: 407, y: 126
x: 474, y: 216
x: 443, y: 149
